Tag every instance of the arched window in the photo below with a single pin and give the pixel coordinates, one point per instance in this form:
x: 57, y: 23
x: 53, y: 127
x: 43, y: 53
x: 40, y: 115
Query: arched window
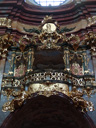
x: 50, y: 2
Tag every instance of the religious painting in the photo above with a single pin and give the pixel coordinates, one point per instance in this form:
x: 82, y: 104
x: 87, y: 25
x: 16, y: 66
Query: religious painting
x: 76, y: 69
x: 76, y: 64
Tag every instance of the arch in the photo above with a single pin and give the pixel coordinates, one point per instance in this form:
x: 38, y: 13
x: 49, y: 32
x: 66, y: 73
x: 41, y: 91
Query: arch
x: 48, y: 112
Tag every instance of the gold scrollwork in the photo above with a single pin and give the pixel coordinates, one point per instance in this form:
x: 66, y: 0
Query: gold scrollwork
x: 5, y: 22
x: 79, y: 102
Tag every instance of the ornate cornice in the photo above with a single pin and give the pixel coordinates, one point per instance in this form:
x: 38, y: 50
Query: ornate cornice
x: 64, y: 14
x: 69, y: 16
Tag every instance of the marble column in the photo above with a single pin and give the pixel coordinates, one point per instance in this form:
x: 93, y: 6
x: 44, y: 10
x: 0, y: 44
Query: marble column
x: 94, y: 65
x: 12, y: 64
x: 93, y: 53
x: 30, y: 60
x: 85, y: 62
x: 66, y: 59
x: 2, y: 66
